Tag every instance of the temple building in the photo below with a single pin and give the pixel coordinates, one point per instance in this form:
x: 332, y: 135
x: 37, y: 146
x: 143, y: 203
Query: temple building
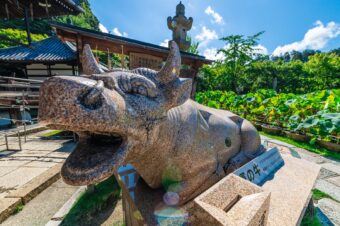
x: 23, y: 68
x: 43, y: 59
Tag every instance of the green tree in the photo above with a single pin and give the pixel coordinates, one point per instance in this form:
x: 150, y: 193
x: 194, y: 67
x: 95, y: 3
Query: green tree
x: 13, y: 37
x: 296, y: 55
x: 193, y: 47
x: 42, y: 27
x: 324, y: 70
x: 84, y: 20
x: 239, y: 52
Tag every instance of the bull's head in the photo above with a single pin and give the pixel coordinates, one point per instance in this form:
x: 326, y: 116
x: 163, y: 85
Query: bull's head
x: 113, y: 113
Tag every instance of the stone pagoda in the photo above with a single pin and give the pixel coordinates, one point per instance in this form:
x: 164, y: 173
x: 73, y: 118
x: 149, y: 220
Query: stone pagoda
x: 179, y: 25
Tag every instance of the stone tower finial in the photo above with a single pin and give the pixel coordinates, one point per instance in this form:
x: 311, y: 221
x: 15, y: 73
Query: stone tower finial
x: 179, y: 25
x: 180, y: 9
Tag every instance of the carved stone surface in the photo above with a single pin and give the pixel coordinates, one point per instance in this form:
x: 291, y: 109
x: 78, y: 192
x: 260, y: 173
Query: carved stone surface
x: 281, y: 199
x: 232, y: 201
x: 179, y: 25
x: 145, y: 118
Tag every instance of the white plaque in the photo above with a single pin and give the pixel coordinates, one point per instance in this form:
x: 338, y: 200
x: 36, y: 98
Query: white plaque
x: 260, y: 168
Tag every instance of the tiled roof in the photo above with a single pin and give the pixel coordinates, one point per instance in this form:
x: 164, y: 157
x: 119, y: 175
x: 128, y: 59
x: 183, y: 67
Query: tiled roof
x: 47, y: 50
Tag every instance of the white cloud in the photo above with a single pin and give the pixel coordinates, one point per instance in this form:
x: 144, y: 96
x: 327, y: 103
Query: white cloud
x: 260, y: 49
x: 102, y: 28
x: 217, y: 18
x: 211, y: 54
x: 165, y: 43
x: 206, y: 36
x: 315, y: 38
x: 116, y: 31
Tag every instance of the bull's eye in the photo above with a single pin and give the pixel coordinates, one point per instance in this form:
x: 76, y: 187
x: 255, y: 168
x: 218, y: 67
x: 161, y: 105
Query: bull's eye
x: 140, y: 90
x: 127, y: 82
x: 137, y: 84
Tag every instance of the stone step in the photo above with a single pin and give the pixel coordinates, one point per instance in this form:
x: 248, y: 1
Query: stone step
x: 331, y: 209
x: 329, y: 188
x: 42, y: 208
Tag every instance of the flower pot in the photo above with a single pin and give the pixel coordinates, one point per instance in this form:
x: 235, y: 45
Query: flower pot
x: 272, y: 129
x: 297, y: 136
x: 328, y: 145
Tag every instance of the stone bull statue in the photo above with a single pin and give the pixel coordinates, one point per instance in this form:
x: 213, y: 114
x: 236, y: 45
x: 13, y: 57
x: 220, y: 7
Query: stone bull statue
x: 145, y: 118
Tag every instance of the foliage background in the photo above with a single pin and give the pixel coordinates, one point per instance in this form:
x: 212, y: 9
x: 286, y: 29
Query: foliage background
x: 40, y: 28
x: 243, y: 69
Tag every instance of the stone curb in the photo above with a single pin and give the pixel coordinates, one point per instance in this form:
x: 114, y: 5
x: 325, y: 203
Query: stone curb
x: 26, y: 193
x: 8, y: 207
x: 59, y: 216
x: 37, y: 184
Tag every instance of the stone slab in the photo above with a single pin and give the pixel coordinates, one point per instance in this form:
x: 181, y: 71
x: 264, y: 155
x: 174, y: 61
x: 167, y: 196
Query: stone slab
x: 26, y: 153
x: 41, y: 163
x: 290, y: 190
x: 6, y: 162
x: 328, y: 188
x: 7, y: 207
x: 20, y: 177
x: 6, y: 170
x: 324, y: 174
x: 334, y: 180
x: 331, y: 167
x: 331, y: 209
x: 262, y: 167
x: 36, y: 185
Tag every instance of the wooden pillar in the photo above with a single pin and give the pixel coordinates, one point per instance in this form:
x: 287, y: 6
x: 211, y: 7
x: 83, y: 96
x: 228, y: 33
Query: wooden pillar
x: 79, y: 53
x: 27, y: 23
x: 73, y: 70
x: 194, y: 70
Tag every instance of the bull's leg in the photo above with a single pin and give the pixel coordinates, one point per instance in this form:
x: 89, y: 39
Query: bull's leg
x: 250, y: 146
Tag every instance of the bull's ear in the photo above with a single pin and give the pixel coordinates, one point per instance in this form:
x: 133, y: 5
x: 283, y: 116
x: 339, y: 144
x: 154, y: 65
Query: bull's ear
x: 178, y: 92
x: 89, y: 62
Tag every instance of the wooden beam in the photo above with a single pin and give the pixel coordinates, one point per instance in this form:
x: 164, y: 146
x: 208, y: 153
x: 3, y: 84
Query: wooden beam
x: 79, y: 45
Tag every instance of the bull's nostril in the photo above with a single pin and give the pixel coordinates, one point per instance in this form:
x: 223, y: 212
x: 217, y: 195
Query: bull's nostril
x: 91, y: 98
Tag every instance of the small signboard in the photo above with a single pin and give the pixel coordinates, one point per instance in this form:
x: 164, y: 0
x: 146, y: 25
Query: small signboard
x: 144, y: 60
x: 262, y: 167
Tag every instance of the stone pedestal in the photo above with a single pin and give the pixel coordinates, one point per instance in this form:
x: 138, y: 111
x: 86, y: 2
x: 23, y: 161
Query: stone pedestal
x: 281, y: 197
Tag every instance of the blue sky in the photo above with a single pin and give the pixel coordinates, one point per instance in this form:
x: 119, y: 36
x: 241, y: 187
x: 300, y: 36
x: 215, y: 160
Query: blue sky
x: 288, y: 24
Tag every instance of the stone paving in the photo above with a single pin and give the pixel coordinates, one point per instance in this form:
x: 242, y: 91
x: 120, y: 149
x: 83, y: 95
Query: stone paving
x: 37, y: 156
x: 17, y: 168
x: 40, y: 210
x: 328, y: 180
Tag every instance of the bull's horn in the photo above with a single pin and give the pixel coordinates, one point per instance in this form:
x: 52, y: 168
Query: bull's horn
x: 170, y: 71
x: 89, y: 63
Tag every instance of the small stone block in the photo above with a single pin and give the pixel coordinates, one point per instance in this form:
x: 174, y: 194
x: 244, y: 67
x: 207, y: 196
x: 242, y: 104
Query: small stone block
x: 228, y: 201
